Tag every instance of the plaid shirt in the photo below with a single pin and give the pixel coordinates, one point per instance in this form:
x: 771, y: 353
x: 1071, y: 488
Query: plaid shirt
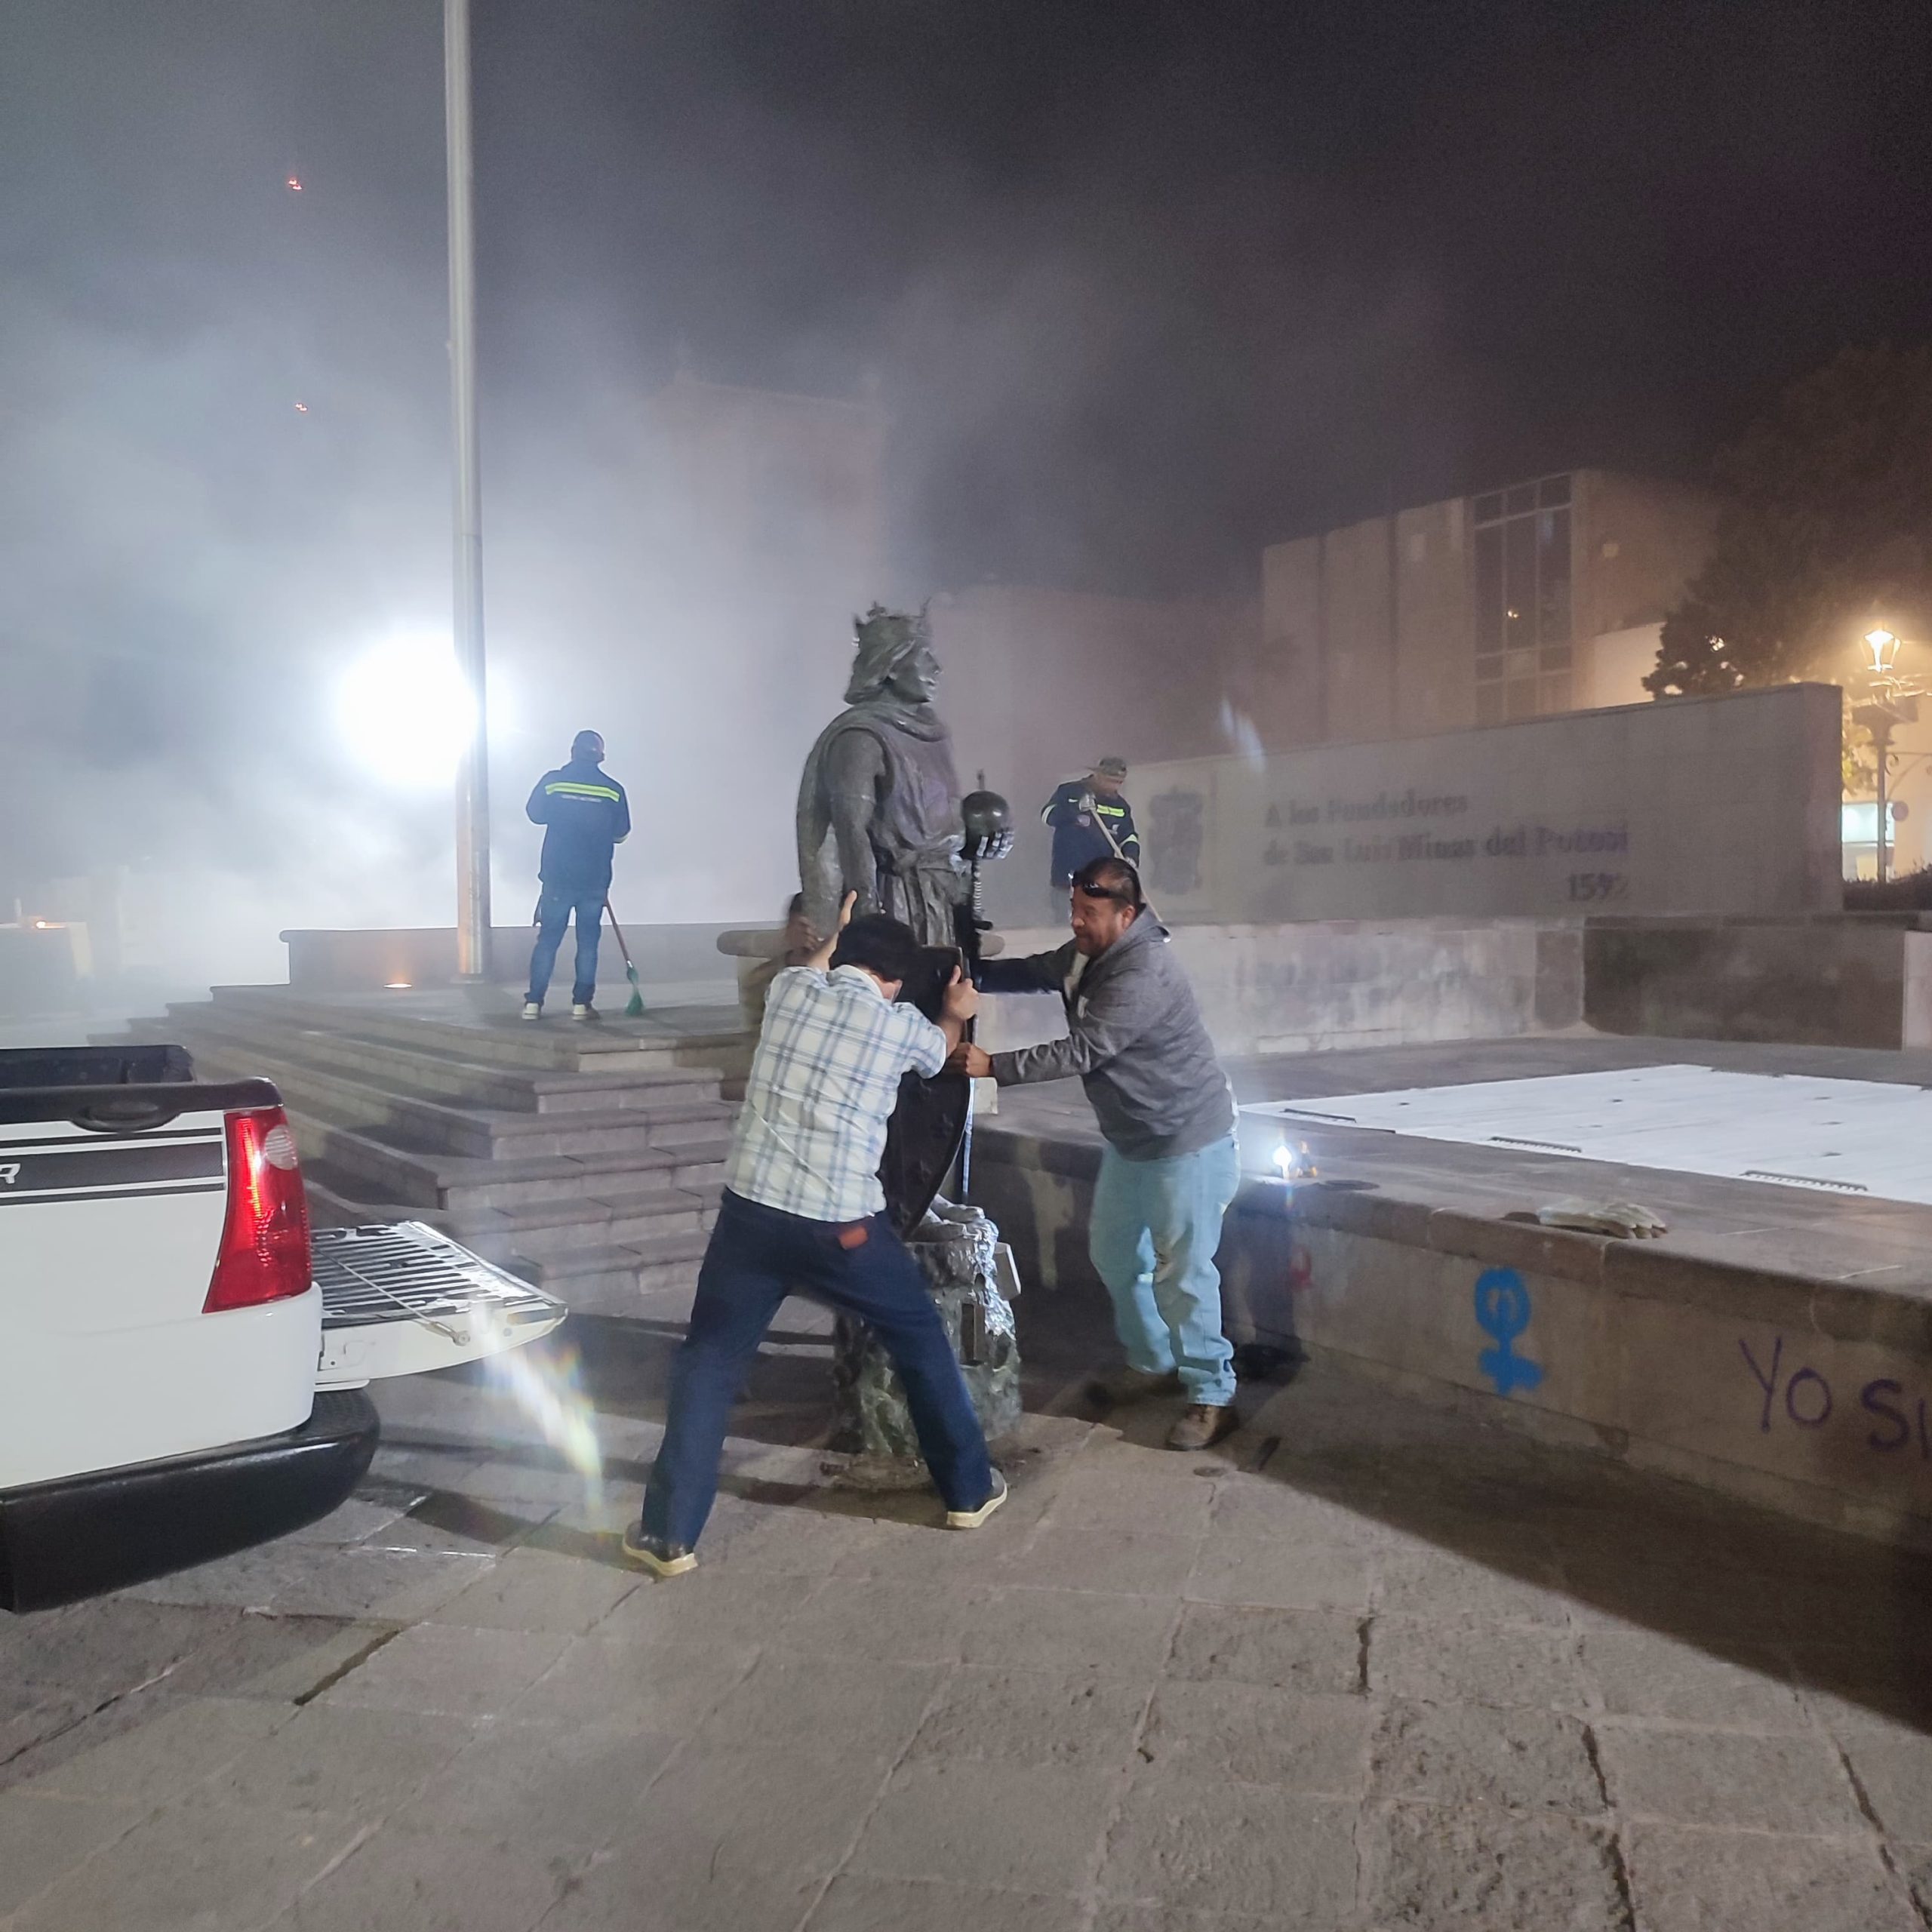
x: 823, y: 1083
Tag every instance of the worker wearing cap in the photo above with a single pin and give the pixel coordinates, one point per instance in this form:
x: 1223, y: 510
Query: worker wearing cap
x: 1090, y: 820
x: 584, y: 814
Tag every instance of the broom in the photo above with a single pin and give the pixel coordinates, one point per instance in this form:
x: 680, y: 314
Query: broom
x: 633, y: 1007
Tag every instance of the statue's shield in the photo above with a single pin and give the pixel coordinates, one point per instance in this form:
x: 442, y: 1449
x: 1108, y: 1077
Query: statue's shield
x: 922, y: 1143
x: 923, y: 1138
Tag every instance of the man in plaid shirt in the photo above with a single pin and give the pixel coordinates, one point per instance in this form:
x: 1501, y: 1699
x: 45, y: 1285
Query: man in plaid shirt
x: 804, y: 1213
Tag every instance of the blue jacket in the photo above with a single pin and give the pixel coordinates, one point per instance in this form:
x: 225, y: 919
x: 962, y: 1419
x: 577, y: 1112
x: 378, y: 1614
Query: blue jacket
x: 1077, y: 839
x: 584, y: 814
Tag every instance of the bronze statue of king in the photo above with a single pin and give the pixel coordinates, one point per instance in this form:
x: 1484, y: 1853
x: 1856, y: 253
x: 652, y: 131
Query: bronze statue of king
x: 878, y: 805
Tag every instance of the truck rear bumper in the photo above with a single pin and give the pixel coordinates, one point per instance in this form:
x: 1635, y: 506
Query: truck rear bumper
x: 78, y: 1537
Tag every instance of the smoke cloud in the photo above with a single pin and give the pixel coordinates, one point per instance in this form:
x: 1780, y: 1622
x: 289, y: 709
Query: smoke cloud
x: 1106, y: 306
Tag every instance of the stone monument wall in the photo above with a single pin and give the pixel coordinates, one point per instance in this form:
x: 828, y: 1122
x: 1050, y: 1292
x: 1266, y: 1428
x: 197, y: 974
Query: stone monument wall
x: 1726, y: 805
x: 1313, y: 987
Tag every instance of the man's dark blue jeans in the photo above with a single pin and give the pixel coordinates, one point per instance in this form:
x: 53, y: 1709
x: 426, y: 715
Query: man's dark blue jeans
x: 556, y: 906
x: 757, y: 1256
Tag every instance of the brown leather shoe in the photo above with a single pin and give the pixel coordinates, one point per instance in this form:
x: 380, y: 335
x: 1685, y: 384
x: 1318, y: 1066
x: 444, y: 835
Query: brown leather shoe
x: 1202, y: 1424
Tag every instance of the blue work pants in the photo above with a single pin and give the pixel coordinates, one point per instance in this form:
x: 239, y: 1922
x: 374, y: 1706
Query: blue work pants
x: 757, y: 1256
x: 555, y: 906
x: 1156, y: 1227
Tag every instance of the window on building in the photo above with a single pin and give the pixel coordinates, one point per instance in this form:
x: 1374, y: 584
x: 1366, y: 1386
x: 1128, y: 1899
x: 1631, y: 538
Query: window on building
x: 1523, y: 618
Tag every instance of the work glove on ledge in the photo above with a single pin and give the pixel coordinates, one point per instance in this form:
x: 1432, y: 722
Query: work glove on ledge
x: 1625, y: 1219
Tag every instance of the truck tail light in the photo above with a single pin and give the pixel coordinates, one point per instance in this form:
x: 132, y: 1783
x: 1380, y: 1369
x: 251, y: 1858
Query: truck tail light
x: 264, y: 1252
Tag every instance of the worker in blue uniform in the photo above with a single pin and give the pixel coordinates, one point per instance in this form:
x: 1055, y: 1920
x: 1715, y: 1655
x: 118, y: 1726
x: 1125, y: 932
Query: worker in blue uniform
x: 585, y: 815
x: 1090, y: 819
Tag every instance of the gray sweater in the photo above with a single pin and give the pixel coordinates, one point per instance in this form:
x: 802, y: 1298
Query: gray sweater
x: 1135, y: 1038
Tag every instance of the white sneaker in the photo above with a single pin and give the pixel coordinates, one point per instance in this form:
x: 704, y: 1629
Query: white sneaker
x: 532, y: 1010
x: 586, y: 1011
x: 971, y: 1519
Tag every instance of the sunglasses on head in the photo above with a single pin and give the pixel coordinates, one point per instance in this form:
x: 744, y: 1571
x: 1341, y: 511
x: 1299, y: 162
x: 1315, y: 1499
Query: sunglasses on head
x: 1119, y: 897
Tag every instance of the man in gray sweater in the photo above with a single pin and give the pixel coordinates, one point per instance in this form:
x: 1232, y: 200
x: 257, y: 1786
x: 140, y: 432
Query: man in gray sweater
x: 1169, y: 1168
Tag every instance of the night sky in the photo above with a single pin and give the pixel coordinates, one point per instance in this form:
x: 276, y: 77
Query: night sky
x: 1148, y: 285
x: 1145, y: 286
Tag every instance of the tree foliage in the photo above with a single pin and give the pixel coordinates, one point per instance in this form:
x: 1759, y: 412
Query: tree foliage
x: 1827, y: 530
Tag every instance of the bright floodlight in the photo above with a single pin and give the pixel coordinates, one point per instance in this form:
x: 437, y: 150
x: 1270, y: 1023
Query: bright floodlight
x: 1292, y: 1162
x: 405, y: 712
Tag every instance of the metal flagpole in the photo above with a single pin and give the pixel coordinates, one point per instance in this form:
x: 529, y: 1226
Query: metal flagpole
x: 472, y: 791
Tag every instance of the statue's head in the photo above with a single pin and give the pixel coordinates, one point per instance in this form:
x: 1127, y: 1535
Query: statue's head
x: 895, y: 654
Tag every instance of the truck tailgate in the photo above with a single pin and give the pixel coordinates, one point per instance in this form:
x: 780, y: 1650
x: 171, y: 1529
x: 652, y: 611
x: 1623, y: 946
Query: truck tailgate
x: 400, y: 1299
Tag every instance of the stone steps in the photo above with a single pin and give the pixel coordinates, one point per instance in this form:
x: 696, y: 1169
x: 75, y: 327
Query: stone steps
x: 590, y: 1164
x: 491, y: 1038
x: 427, y: 1177
x: 599, y: 1257
x: 434, y: 1073
x: 360, y: 1102
x: 551, y: 1232
x: 613, y: 1280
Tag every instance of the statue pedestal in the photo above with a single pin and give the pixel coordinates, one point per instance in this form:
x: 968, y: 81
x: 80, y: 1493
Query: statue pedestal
x: 966, y: 1268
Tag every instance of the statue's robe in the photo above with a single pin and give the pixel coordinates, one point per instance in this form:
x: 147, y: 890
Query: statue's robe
x: 914, y: 832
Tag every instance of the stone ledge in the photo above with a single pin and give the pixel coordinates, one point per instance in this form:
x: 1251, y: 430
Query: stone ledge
x: 1641, y: 1270
x: 1755, y: 1376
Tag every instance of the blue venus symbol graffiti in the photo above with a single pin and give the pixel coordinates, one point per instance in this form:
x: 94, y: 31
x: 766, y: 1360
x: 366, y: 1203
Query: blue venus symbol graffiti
x: 1503, y: 1310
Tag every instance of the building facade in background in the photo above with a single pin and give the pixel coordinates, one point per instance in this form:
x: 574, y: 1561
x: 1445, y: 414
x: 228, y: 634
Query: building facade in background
x: 1039, y: 684
x: 1542, y: 597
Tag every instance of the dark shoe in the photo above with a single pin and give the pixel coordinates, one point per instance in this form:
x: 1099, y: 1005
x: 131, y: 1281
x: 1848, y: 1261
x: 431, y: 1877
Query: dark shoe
x: 1202, y: 1424
x: 971, y: 1519
x: 654, y: 1554
x: 1124, y: 1385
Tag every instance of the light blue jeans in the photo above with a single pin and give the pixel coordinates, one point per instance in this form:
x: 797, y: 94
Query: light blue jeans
x: 1156, y: 1225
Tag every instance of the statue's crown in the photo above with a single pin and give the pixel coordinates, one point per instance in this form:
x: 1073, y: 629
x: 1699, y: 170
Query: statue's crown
x: 881, y: 629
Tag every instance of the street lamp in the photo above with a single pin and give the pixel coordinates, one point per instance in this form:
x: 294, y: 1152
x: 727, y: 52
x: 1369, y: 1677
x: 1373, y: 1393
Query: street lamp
x: 1891, y: 705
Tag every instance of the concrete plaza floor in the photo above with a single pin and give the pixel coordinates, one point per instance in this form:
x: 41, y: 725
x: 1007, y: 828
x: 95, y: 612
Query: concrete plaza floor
x: 1366, y: 1666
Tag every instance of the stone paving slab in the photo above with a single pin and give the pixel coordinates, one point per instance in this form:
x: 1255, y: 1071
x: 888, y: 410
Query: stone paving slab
x: 1196, y: 1843
x: 1085, y: 1719
x: 185, y: 1743
x: 581, y: 1786
x: 1746, y: 1882
x: 229, y: 1871
x: 354, y: 1763
x: 1288, y: 1650
x: 856, y: 1904
x: 1484, y: 1869
x: 400, y: 1881
x: 43, y: 1837
x: 1360, y: 1667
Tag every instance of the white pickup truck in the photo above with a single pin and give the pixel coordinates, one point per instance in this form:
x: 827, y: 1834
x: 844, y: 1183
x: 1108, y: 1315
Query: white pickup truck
x: 183, y: 1363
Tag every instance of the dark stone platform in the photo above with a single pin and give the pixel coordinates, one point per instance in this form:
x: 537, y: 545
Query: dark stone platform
x: 1776, y: 1342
